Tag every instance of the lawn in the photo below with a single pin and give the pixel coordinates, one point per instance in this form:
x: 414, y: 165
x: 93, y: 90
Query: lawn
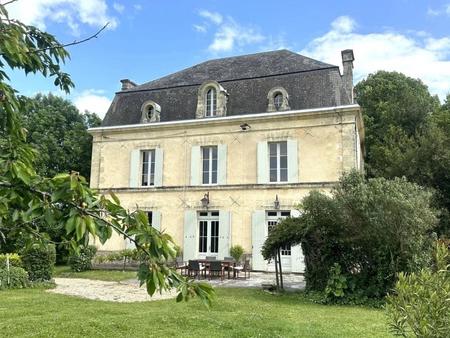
x: 235, y: 313
x: 106, y: 275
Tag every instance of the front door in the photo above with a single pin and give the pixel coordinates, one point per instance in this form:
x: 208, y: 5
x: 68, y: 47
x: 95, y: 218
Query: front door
x: 208, y: 234
x: 272, y: 219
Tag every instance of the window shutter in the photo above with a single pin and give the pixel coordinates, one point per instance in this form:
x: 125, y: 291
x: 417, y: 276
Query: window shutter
x: 222, y: 164
x: 195, y: 165
x: 262, y: 163
x: 134, y: 168
x: 224, y: 233
x: 292, y: 161
x: 297, y: 259
x: 259, y: 230
x: 156, y: 220
x: 159, y: 161
x: 190, y: 235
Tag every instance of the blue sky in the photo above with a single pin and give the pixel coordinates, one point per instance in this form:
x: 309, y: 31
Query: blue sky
x: 149, y: 39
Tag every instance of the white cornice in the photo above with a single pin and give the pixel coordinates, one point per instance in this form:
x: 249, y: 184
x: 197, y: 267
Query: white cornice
x: 214, y: 120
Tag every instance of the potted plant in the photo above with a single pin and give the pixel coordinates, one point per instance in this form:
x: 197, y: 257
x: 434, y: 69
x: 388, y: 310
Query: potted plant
x: 236, y: 251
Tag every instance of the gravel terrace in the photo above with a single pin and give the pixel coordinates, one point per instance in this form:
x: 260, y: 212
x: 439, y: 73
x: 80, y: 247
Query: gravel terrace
x: 129, y: 291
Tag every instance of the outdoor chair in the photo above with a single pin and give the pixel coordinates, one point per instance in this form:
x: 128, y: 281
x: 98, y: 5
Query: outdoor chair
x: 216, y: 268
x: 243, y: 268
x: 181, y: 265
x: 195, y: 269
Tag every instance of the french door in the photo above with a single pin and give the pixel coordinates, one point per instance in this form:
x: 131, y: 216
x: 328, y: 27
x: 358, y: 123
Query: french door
x: 272, y: 219
x: 208, y: 233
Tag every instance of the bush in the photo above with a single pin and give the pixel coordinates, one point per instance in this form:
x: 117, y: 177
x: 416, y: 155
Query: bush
x: 14, y: 260
x: 39, y: 262
x: 337, y: 284
x: 236, y: 251
x: 15, y: 278
x: 372, y: 228
x: 82, y: 261
x: 420, y: 303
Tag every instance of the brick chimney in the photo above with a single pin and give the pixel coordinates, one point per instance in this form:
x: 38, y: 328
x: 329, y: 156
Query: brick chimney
x: 347, y: 76
x: 127, y: 84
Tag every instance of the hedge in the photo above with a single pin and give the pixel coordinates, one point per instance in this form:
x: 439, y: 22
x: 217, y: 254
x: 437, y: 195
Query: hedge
x: 83, y: 260
x: 14, y: 260
x: 39, y: 262
x: 15, y: 278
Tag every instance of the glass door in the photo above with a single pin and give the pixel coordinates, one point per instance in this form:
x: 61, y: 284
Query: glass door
x: 272, y: 219
x: 208, y: 234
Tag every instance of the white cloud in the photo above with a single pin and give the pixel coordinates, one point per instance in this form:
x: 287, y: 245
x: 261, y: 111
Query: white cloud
x: 214, y: 17
x: 423, y: 57
x: 72, y: 12
x: 445, y: 10
x: 228, y: 33
x: 137, y: 7
x: 93, y: 101
x: 118, y: 7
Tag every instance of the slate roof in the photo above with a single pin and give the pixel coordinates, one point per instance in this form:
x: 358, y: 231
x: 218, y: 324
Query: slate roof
x: 247, y: 79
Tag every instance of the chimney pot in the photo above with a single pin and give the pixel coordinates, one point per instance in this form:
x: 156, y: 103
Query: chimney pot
x: 347, y: 74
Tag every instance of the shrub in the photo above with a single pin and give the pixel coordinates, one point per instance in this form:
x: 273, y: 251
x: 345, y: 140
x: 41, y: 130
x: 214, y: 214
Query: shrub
x: 14, y: 278
x: 39, y: 261
x: 420, y: 303
x: 14, y: 260
x: 236, y: 251
x: 372, y: 228
x: 337, y: 283
x: 82, y: 261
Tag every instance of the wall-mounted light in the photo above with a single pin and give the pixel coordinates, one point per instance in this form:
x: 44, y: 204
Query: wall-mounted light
x: 245, y: 126
x: 205, y: 200
x: 276, y: 203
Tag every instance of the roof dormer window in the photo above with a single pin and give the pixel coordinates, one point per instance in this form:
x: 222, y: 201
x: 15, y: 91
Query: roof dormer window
x: 211, y: 100
x: 150, y: 112
x: 278, y: 100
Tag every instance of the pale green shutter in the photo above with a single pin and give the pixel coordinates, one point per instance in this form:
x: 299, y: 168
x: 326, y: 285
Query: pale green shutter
x: 262, y: 163
x: 222, y: 164
x: 190, y: 235
x: 159, y: 161
x: 297, y: 259
x: 292, y: 161
x: 156, y: 220
x: 224, y: 233
x: 134, y: 168
x: 195, y: 165
x: 259, y: 233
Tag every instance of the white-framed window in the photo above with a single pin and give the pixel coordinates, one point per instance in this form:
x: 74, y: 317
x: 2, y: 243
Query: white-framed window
x: 148, y: 168
x: 278, y: 161
x: 209, y: 165
x: 208, y: 232
x: 211, y: 102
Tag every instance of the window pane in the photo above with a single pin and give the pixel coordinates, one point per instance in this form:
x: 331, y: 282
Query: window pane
x: 205, y: 178
x: 214, y: 177
x: 205, y: 151
x: 285, y: 213
x: 214, y: 236
x: 273, y: 163
x: 214, y: 165
x: 283, y: 162
x: 205, y: 165
x: 283, y: 148
x: 283, y: 175
x: 150, y: 217
x: 214, y: 213
x: 273, y: 149
x: 273, y: 175
x: 214, y: 153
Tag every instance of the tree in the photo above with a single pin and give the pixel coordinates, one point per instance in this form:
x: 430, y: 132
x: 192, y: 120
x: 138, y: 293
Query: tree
x: 371, y: 228
x: 407, y: 135
x: 28, y: 201
x: 59, y: 132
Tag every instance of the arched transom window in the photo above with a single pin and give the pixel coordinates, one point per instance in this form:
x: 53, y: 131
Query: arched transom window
x: 277, y: 99
x: 211, y: 102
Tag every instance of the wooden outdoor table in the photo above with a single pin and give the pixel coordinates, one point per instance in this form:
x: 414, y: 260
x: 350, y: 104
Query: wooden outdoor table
x: 225, y: 263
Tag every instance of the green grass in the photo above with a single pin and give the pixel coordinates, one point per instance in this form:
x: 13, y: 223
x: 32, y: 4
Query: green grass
x: 235, y: 313
x: 106, y: 275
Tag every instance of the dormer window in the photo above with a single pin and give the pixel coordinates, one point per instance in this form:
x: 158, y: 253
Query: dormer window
x: 278, y: 100
x: 211, y: 100
x: 150, y: 112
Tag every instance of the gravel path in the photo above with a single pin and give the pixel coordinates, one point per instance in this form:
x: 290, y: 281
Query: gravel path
x: 108, y: 291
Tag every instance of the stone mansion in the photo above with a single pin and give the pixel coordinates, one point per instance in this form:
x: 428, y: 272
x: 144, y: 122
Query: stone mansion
x: 217, y: 153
